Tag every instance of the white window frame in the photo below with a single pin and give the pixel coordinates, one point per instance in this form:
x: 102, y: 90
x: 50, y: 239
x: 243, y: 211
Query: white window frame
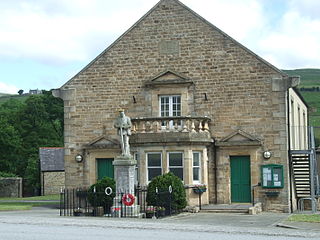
x: 147, y: 164
x: 199, y: 167
x: 170, y: 109
x: 168, y: 163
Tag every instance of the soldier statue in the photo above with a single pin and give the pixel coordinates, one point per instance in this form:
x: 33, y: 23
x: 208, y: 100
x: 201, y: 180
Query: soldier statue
x: 123, y: 124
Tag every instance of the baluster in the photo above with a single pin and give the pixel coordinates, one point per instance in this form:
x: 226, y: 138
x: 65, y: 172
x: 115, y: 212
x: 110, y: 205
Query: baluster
x: 184, y: 124
x: 143, y: 129
x: 134, y: 127
x: 167, y: 126
x: 175, y: 125
x: 159, y: 126
x: 200, y: 126
x: 193, y: 126
x: 206, y: 126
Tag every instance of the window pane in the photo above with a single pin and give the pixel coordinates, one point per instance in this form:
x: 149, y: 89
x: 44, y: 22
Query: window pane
x: 154, y: 160
x: 153, y: 172
x: 196, y: 175
x: 196, y: 160
x: 175, y: 159
x: 178, y: 172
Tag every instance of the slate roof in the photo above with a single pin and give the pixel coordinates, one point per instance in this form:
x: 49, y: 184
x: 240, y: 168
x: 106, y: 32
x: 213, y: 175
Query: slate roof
x: 51, y: 159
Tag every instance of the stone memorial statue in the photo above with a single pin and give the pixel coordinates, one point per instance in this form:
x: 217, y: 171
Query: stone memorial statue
x: 123, y: 124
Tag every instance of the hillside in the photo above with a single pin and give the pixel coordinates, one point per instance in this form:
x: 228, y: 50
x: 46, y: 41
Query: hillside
x: 6, y: 97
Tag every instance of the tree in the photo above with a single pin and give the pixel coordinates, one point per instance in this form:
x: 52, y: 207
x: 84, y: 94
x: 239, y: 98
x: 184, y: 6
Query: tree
x: 20, y: 92
x: 26, y: 126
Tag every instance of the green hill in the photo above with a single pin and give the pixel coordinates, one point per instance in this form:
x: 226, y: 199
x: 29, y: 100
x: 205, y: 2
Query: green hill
x: 5, y: 97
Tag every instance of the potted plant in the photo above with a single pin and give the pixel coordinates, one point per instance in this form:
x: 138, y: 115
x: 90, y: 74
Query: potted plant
x: 161, y: 211
x: 199, y: 189
x: 77, y: 212
x: 150, y: 212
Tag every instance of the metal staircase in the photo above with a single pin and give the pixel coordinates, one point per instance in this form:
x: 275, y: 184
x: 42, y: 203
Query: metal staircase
x: 305, y: 174
x: 300, y: 161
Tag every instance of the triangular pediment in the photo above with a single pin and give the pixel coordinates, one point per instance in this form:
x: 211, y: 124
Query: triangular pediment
x: 240, y: 137
x: 169, y: 77
x: 104, y: 142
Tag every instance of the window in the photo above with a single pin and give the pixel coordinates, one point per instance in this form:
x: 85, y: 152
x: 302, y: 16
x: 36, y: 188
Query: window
x: 154, y: 165
x: 196, y: 167
x: 170, y: 106
x: 176, y: 164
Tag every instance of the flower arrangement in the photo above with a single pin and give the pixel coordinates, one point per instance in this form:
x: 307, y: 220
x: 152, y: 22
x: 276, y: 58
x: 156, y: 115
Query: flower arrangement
x: 150, y: 209
x: 199, y: 189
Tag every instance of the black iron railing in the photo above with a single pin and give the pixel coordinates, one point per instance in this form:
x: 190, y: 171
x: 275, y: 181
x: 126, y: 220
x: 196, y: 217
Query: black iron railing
x: 81, y: 202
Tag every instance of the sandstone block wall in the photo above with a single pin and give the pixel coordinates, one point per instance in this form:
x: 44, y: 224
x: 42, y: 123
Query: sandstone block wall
x: 52, y: 182
x: 238, y: 85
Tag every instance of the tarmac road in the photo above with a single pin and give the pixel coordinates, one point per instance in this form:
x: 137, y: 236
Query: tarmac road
x: 41, y: 223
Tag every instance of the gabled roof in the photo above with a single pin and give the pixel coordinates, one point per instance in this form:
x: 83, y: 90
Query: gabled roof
x: 197, y: 16
x: 51, y: 159
x: 239, y: 137
x: 168, y: 77
x: 103, y: 142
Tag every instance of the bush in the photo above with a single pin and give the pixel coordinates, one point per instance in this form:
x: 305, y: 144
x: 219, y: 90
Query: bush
x: 100, y: 198
x: 178, y: 196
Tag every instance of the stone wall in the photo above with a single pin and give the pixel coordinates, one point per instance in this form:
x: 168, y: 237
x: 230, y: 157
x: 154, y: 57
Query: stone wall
x: 242, y: 90
x: 52, y: 182
x: 10, y: 187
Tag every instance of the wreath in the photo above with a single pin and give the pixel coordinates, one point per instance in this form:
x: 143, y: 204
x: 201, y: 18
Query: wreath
x: 128, y: 199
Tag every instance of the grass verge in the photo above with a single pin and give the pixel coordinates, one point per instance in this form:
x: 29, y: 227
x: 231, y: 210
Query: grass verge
x: 17, y: 204
x: 314, y: 218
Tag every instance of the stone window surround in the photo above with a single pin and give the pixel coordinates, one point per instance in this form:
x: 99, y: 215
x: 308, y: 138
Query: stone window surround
x: 171, y: 90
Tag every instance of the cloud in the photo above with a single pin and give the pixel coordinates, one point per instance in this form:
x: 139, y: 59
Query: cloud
x: 61, y: 31
x: 6, y: 88
x: 295, y: 43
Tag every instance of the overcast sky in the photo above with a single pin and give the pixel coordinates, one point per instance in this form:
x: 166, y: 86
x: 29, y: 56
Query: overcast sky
x: 43, y: 43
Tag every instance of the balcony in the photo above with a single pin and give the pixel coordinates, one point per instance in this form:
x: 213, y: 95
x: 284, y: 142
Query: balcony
x: 155, y: 130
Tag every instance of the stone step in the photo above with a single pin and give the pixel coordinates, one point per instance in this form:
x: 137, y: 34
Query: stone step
x: 225, y: 210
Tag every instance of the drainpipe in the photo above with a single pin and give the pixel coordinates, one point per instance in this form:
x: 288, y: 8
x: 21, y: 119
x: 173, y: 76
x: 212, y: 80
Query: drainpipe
x: 289, y: 149
x: 215, y: 173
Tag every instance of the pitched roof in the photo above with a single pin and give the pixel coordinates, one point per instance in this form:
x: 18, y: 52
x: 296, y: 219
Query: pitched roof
x: 197, y: 16
x: 51, y: 159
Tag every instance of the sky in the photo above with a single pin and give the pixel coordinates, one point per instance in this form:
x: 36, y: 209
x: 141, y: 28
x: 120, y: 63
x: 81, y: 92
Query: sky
x: 44, y: 43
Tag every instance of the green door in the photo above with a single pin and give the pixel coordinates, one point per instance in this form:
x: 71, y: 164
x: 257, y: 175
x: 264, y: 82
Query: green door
x: 240, y: 179
x: 105, y: 167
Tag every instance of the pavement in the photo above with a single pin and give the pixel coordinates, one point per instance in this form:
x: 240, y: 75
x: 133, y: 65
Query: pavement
x: 268, y: 224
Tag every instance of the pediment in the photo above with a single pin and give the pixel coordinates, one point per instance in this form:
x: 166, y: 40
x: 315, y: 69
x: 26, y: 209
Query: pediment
x: 168, y: 77
x: 104, y: 142
x: 240, y: 137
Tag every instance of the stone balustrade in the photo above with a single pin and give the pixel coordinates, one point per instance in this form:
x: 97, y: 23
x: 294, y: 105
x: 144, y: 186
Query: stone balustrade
x: 186, y: 124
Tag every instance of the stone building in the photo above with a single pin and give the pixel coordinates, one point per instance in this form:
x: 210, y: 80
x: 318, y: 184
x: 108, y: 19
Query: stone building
x: 202, y: 106
x: 52, y: 170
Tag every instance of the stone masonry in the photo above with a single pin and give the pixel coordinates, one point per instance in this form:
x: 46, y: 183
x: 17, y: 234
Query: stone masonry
x: 232, y: 86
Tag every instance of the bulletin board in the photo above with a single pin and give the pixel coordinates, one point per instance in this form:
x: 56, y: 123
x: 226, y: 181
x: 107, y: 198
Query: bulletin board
x: 272, y: 176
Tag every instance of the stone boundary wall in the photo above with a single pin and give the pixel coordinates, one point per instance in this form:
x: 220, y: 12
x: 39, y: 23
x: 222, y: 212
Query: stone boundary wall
x: 11, y: 187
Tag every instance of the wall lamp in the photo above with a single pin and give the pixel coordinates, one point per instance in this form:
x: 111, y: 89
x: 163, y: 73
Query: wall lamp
x: 134, y: 99
x: 79, y: 158
x: 267, y: 154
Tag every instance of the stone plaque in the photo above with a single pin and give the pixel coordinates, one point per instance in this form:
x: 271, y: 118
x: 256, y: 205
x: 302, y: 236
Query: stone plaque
x: 169, y: 47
